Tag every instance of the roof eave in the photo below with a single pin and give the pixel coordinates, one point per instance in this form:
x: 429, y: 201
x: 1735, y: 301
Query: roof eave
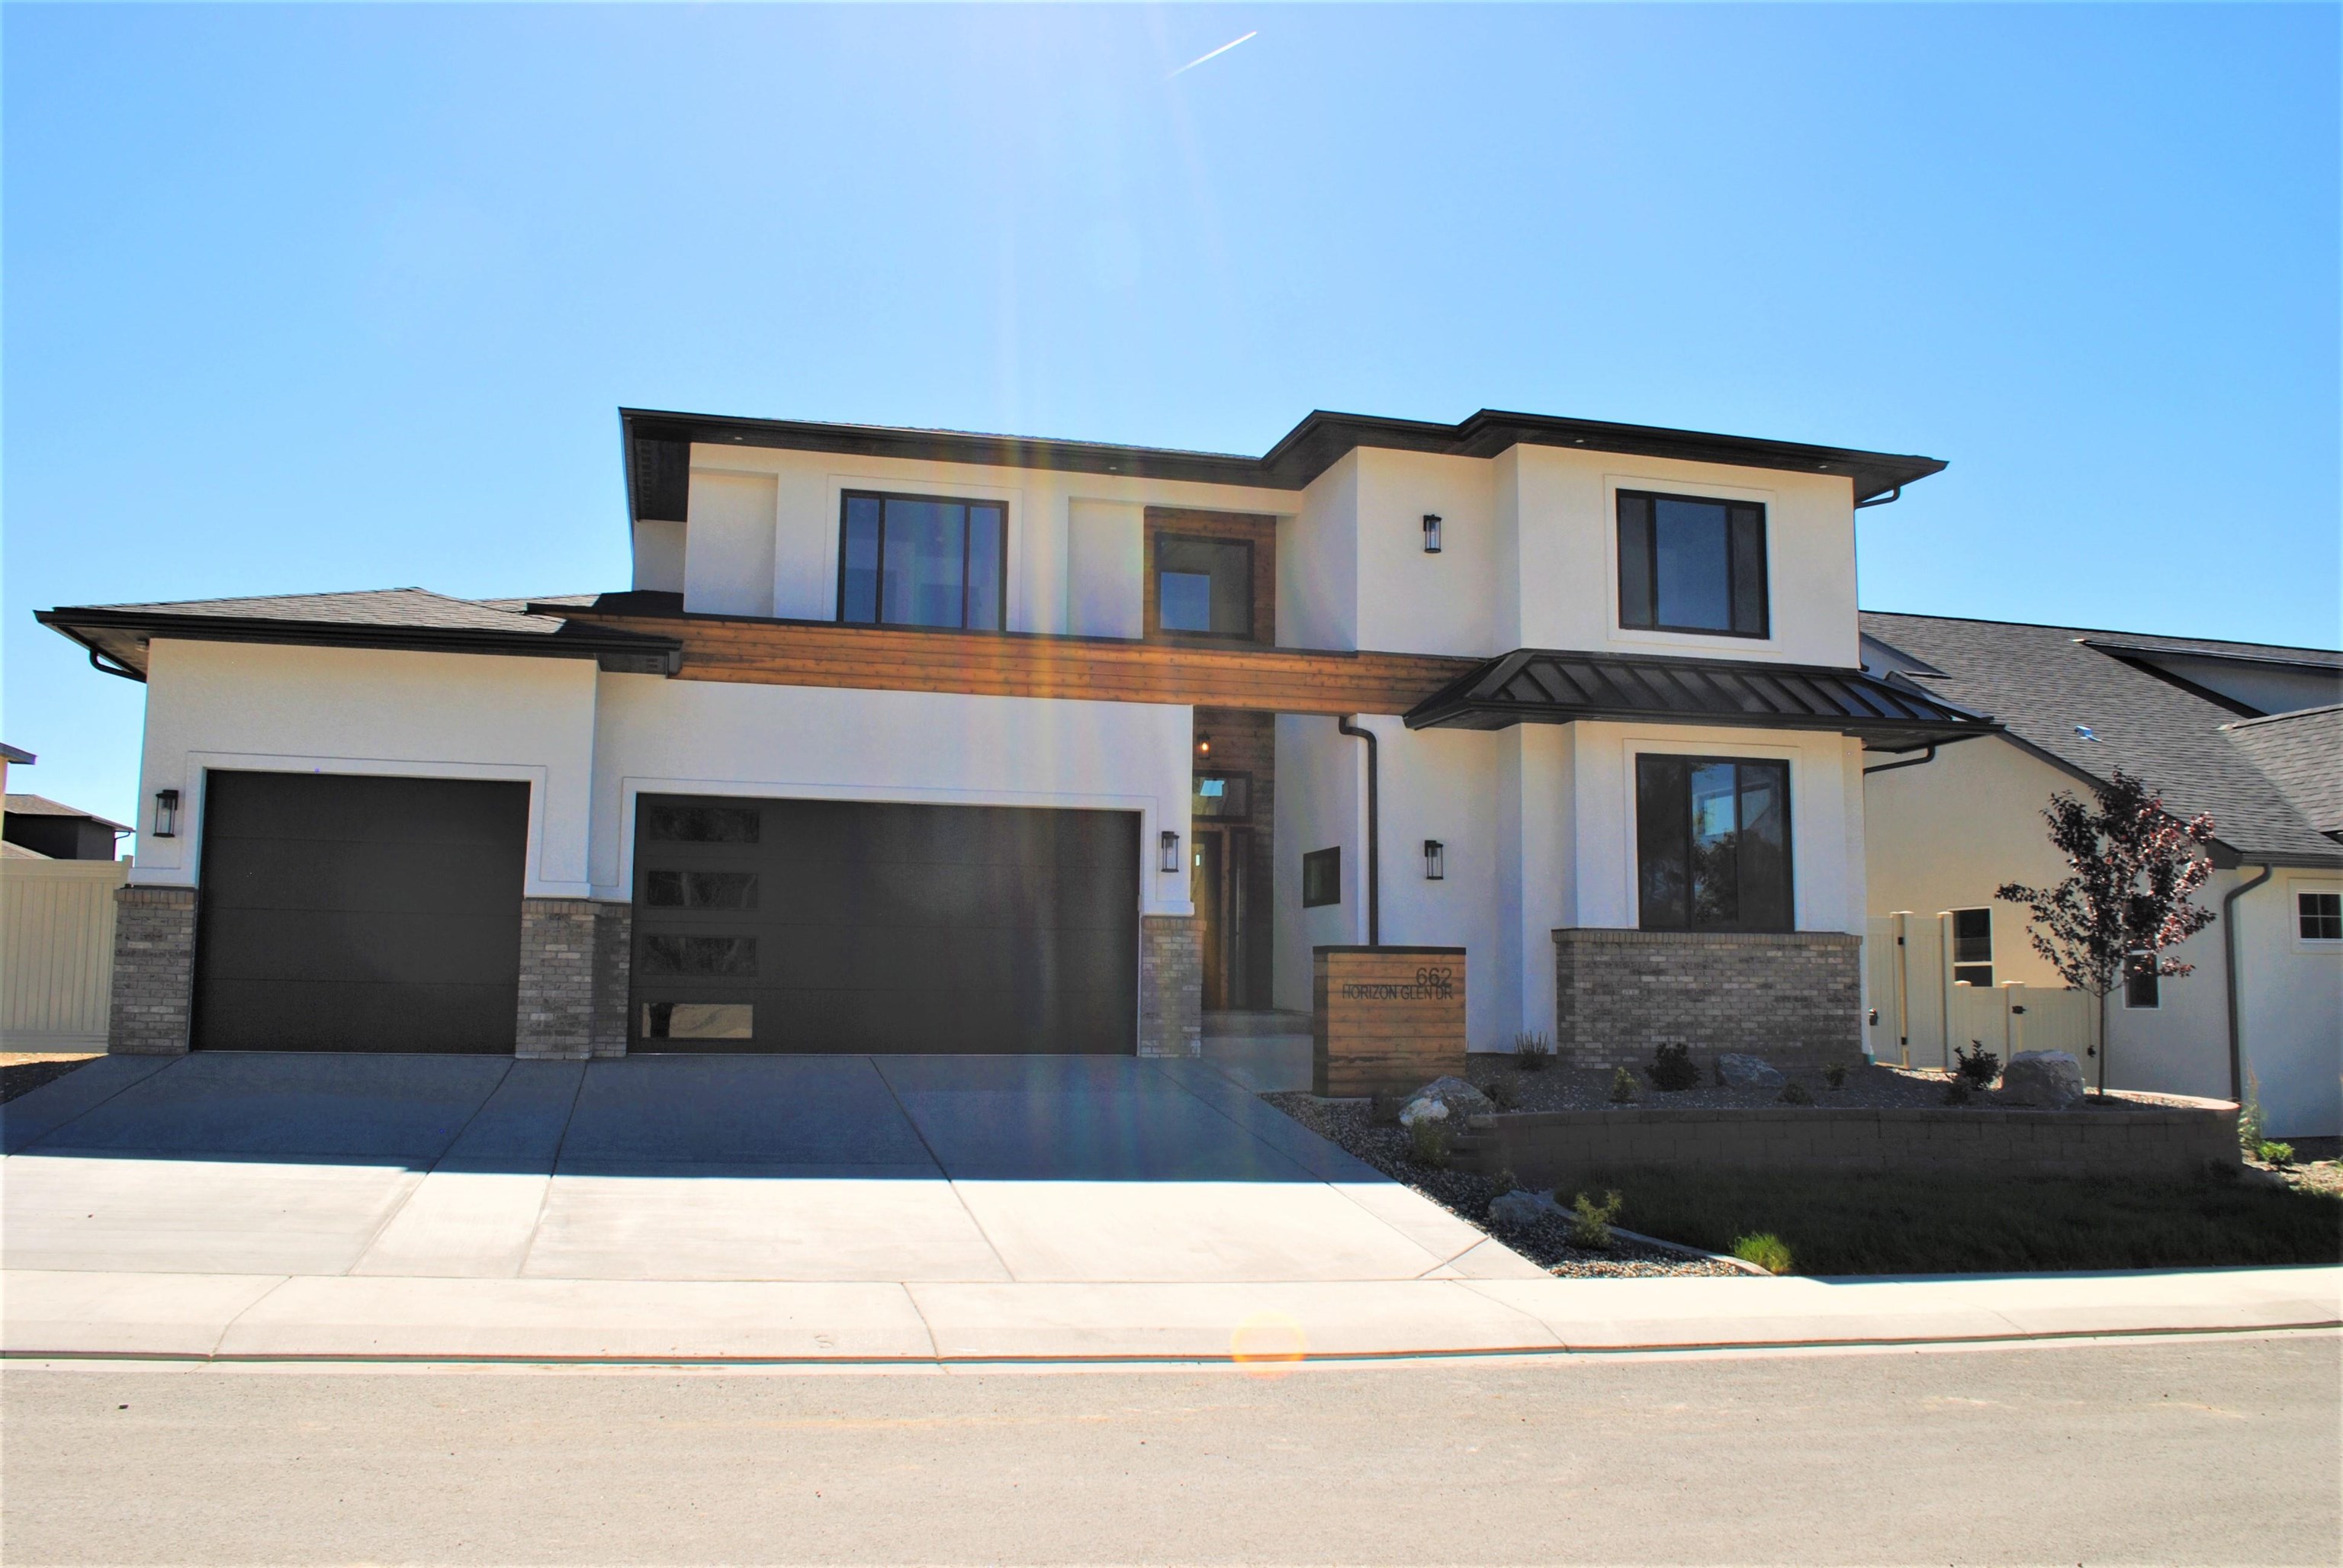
x: 628, y: 652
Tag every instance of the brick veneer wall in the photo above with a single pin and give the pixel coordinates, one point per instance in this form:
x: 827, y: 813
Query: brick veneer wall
x: 614, y: 947
x: 1171, y: 986
x: 154, y: 971
x: 1795, y: 998
x: 555, y: 1013
x: 2143, y: 1140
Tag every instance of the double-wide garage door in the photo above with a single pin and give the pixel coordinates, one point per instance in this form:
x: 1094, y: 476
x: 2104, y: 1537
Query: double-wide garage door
x: 852, y: 926
x: 341, y: 913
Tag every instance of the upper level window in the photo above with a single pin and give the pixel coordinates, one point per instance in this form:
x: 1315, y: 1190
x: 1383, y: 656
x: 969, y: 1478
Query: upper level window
x: 2143, y: 986
x: 1203, y: 586
x: 922, y: 560
x: 1690, y: 564
x: 1712, y: 844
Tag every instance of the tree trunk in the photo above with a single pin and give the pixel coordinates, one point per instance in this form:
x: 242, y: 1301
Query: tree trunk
x: 2102, y: 1045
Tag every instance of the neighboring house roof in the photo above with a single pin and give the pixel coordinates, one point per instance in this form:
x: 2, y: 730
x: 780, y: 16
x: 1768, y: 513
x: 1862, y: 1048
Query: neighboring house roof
x: 2302, y: 754
x: 18, y: 852
x: 1541, y: 685
x: 408, y: 618
x: 42, y: 805
x: 2089, y: 712
x: 13, y: 754
x: 658, y: 449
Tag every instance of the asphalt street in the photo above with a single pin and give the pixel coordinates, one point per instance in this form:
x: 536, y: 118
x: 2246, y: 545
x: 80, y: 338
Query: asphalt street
x: 2213, y: 1449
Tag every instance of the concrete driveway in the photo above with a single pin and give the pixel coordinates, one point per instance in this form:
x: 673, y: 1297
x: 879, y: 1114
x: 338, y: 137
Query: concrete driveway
x: 712, y: 1167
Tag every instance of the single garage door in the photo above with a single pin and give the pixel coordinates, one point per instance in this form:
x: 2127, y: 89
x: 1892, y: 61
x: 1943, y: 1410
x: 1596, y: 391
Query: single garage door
x: 849, y: 926
x: 344, y: 913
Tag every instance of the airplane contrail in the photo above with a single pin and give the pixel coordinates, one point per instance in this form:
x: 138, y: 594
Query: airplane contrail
x: 1222, y: 50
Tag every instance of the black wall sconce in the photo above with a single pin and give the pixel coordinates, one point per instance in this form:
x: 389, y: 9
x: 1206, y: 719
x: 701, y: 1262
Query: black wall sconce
x: 1171, y: 845
x: 166, y: 813
x: 1204, y: 745
x: 1431, y: 533
x: 1435, y: 860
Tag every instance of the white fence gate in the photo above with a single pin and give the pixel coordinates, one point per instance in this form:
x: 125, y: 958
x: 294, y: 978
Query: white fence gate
x: 57, y: 952
x: 1920, y: 1015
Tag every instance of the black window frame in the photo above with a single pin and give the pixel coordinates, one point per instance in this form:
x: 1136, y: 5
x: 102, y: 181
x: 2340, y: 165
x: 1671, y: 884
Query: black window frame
x: 1253, y: 608
x: 846, y: 499
x: 1323, y: 867
x: 2330, y: 916
x: 1761, y: 564
x: 2141, y: 981
x: 1646, y: 917
x: 1225, y: 775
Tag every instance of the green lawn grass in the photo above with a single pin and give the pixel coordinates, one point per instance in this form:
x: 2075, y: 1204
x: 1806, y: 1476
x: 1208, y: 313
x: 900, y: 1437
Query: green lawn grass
x: 1955, y: 1224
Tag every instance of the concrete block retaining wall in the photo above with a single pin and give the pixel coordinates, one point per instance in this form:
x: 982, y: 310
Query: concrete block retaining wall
x: 2148, y: 1140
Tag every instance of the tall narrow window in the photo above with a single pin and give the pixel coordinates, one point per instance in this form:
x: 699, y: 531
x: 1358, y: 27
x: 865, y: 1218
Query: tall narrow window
x: 1691, y: 564
x: 1712, y: 844
x: 1973, y: 947
x: 1203, y: 587
x: 921, y: 560
x: 2142, y: 984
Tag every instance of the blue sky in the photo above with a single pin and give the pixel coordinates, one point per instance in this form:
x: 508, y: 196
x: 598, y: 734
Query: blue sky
x: 338, y: 298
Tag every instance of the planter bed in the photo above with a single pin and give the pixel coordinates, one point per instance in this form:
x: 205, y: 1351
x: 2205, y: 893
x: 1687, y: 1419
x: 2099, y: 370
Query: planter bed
x: 1466, y: 1194
x: 1560, y: 1088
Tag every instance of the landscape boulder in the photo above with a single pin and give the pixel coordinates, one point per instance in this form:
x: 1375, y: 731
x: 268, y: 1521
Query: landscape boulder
x: 2050, y: 1078
x: 1735, y: 1071
x: 1518, y: 1210
x: 1450, y: 1100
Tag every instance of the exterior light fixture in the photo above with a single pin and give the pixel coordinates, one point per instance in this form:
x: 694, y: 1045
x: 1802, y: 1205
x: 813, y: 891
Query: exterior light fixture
x: 1435, y: 860
x: 1170, y: 859
x: 1431, y: 533
x: 166, y: 813
x: 1204, y: 744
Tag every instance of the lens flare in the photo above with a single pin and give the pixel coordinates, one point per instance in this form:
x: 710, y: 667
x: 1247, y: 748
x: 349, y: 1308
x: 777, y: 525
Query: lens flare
x: 1268, y: 1345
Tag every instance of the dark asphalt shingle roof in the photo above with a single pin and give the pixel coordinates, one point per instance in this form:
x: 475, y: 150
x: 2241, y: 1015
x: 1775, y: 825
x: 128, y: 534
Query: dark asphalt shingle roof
x: 42, y: 805
x: 2302, y: 754
x: 404, y: 607
x: 2044, y: 681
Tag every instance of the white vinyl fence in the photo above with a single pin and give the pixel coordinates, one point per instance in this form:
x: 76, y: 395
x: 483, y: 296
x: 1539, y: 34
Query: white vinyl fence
x: 57, y: 952
x: 1920, y: 1016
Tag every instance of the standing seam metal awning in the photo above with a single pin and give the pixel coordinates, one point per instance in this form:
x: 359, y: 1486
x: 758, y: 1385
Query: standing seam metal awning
x: 1542, y: 686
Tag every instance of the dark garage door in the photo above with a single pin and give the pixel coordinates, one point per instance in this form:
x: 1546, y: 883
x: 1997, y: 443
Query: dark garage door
x: 344, y: 913
x: 848, y: 926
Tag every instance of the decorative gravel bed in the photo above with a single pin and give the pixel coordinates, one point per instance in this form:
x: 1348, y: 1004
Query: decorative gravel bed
x: 23, y: 1071
x: 1466, y: 1195
x: 1559, y: 1088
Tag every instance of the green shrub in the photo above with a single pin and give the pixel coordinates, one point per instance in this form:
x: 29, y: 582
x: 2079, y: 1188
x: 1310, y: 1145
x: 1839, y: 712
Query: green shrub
x: 1532, y: 1052
x: 1977, y: 1066
x: 1672, y: 1069
x: 1383, y: 1109
x: 1622, y: 1087
x: 1506, y: 1183
x: 2276, y: 1154
x: 1504, y: 1093
x: 1794, y: 1094
x: 1836, y: 1075
x: 1956, y: 1090
x: 1765, y: 1249
x: 2249, y: 1115
x: 1427, y: 1143
x: 1590, y: 1221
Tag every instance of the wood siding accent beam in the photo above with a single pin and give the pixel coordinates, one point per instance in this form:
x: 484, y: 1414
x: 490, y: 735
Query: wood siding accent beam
x: 980, y: 664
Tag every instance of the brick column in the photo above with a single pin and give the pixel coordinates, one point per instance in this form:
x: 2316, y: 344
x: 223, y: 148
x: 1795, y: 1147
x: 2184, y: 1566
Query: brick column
x: 1171, y: 986
x: 556, y: 1016
x: 154, y: 971
x: 1793, y: 997
x: 614, y: 946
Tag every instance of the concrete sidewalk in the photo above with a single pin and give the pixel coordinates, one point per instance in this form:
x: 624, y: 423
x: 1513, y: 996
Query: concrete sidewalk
x: 258, y: 1317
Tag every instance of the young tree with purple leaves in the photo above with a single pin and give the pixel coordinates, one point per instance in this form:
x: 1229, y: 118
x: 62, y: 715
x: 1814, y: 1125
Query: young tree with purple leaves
x: 2132, y: 869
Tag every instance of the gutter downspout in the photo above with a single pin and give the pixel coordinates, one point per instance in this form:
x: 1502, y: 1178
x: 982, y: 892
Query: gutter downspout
x: 2229, y: 976
x: 1374, y: 837
x: 1927, y: 755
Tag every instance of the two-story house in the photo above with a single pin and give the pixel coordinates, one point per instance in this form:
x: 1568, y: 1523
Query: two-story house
x: 914, y: 740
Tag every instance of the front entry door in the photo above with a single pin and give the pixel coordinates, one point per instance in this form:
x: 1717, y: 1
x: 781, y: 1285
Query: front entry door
x: 1217, y: 885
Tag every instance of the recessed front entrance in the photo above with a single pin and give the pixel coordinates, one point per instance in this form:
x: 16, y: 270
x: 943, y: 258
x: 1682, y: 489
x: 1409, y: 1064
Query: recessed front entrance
x: 882, y: 927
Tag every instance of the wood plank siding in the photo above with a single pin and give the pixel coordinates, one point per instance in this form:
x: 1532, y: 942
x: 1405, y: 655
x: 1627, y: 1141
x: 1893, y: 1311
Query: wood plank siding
x: 993, y: 664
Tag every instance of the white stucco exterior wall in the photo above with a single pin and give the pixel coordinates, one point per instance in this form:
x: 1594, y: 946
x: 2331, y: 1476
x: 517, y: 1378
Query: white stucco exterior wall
x: 1322, y: 803
x: 728, y: 549
x: 281, y: 710
x: 2291, y: 1020
x: 716, y: 738
x: 1106, y: 554
x: 1411, y: 601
